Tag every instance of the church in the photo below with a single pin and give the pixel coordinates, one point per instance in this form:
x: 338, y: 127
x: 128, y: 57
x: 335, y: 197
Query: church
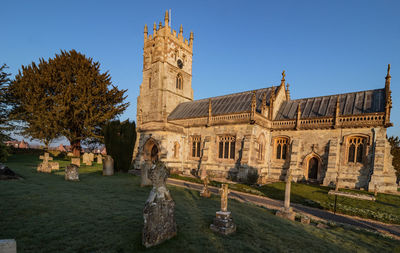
x: 331, y: 140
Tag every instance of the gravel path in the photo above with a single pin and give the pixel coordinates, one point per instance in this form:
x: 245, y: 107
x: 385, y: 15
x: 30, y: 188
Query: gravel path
x: 314, y: 213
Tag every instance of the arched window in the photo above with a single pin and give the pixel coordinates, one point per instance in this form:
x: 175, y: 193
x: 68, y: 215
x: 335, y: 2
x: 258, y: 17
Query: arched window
x: 179, y: 82
x: 176, y: 150
x: 261, y: 147
x: 281, y: 148
x: 356, y: 147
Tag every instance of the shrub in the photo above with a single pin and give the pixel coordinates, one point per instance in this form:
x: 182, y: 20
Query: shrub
x: 120, y: 138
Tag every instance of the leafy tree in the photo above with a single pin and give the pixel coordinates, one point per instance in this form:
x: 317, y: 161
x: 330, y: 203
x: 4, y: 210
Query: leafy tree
x: 120, y: 138
x: 395, y: 151
x: 65, y: 96
x: 4, y: 81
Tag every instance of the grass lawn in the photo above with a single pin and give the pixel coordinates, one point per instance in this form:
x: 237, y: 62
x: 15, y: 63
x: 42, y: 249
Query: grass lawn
x: 386, y: 208
x: 44, y: 213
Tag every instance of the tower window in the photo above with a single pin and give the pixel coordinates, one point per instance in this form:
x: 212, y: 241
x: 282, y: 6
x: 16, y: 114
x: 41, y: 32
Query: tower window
x: 356, y: 146
x: 226, y: 147
x: 179, y: 82
x: 149, y: 82
x: 281, y: 147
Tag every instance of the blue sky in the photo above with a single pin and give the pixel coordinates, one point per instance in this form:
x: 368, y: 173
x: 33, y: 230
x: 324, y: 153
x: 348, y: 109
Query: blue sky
x: 326, y: 47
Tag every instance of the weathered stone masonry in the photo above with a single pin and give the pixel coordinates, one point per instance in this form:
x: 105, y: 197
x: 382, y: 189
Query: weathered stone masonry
x: 339, y: 139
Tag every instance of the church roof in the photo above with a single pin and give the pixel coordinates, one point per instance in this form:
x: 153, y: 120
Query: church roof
x: 355, y: 103
x: 232, y: 103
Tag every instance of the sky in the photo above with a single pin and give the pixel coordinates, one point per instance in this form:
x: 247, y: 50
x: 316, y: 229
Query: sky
x: 325, y: 47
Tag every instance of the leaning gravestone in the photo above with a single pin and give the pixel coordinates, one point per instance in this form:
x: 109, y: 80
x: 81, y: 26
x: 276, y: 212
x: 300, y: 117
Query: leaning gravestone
x: 45, y: 166
x: 108, y: 166
x: 158, y: 213
x: 76, y: 161
x: 99, y: 159
x: 8, y: 246
x: 72, y: 173
x: 86, y: 159
x: 223, y: 222
x: 144, y: 177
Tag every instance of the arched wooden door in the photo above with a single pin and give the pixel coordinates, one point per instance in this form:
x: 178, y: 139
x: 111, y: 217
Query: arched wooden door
x: 313, y: 168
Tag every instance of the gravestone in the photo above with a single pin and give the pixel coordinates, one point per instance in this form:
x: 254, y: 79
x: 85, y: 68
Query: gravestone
x: 72, y: 173
x: 99, y: 159
x: 287, y: 211
x: 144, y: 177
x: 108, y: 166
x: 8, y: 246
x: 6, y: 173
x: 91, y: 157
x: 54, y: 165
x: 86, y: 159
x: 76, y: 161
x: 45, y: 166
x: 205, y: 192
x: 223, y: 222
x: 158, y: 213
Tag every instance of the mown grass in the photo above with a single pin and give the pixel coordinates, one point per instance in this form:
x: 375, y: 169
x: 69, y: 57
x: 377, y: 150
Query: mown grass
x: 386, y: 208
x: 44, y: 213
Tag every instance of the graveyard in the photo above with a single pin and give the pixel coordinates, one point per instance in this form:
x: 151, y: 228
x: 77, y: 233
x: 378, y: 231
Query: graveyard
x: 46, y: 213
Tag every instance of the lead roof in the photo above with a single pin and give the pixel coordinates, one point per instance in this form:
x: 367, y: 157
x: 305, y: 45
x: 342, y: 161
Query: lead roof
x: 355, y: 103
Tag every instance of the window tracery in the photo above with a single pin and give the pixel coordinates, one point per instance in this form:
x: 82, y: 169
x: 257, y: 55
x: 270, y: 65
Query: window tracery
x: 179, y: 82
x: 355, y: 149
x: 195, y: 146
x: 281, y: 148
x: 226, y: 147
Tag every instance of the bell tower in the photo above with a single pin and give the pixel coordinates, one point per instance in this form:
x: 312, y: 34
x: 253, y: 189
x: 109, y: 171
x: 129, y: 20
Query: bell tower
x: 167, y: 72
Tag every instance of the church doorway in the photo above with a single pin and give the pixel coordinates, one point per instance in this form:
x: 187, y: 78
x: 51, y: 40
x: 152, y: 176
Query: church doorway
x: 313, y: 169
x: 154, y: 154
x: 151, y: 151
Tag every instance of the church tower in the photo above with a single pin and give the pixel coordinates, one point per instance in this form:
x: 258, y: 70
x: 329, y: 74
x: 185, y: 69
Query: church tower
x: 167, y: 73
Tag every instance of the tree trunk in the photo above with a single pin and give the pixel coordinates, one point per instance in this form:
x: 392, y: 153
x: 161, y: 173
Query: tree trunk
x: 76, y: 148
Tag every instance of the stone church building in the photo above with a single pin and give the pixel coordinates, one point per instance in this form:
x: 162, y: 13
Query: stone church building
x: 337, y: 139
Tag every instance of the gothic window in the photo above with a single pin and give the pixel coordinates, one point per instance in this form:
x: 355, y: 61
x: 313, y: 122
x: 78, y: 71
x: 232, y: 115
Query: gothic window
x: 179, y: 82
x: 281, y: 148
x: 150, y: 82
x: 226, y: 147
x: 356, y: 146
x: 176, y: 150
x: 195, y: 146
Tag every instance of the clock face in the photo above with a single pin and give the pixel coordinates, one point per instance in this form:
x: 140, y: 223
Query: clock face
x: 179, y: 63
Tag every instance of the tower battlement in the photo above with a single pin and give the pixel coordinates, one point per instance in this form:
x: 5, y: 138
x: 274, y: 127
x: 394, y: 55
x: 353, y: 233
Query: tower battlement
x: 166, y: 31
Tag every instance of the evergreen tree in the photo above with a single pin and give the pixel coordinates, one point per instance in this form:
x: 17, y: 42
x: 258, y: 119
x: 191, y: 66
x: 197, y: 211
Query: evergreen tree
x: 65, y: 96
x: 119, y: 139
x: 4, y: 81
x: 395, y: 151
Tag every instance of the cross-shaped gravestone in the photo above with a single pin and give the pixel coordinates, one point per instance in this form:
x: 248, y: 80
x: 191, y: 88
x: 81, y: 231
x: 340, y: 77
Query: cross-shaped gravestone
x: 46, y: 158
